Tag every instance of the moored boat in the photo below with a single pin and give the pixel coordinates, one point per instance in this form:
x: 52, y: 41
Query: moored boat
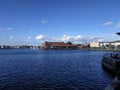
x: 111, y: 62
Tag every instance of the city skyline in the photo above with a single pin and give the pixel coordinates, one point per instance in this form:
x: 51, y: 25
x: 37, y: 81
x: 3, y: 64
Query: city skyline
x: 31, y: 22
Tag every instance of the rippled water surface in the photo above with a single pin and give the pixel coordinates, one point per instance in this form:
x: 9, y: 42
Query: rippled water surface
x: 25, y: 69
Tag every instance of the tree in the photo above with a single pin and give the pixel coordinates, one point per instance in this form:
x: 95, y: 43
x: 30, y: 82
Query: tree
x: 69, y: 43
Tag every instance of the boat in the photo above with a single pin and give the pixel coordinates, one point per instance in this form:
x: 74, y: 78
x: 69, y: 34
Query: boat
x: 114, y: 85
x: 111, y: 62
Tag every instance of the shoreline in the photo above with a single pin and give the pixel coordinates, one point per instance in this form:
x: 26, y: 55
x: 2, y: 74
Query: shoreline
x: 92, y: 49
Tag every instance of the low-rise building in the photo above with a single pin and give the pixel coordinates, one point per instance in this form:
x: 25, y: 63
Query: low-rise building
x: 110, y: 44
x: 94, y: 45
x: 57, y: 45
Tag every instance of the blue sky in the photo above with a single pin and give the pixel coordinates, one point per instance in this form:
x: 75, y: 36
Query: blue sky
x: 32, y: 22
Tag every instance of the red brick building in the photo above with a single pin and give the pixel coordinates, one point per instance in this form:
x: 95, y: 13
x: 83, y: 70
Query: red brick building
x: 57, y: 45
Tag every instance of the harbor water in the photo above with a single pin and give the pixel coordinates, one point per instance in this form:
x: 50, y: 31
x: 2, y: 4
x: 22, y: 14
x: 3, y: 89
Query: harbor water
x: 28, y: 69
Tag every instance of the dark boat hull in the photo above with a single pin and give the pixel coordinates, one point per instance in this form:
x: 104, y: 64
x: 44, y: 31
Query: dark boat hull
x: 112, y: 65
x: 108, y: 67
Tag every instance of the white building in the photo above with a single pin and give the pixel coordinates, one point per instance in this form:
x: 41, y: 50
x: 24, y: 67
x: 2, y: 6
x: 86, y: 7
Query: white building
x: 110, y: 45
x: 94, y: 44
x: 106, y: 45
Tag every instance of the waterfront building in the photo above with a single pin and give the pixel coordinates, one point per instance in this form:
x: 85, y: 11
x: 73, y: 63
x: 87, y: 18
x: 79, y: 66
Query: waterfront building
x: 94, y: 45
x: 57, y: 45
x: 3, y: 46
x: 110, y: 45
x: 15, y: 46
x: 79, y: 46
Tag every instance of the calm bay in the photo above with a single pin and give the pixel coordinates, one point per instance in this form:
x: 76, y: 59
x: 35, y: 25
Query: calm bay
x: 28, y: 69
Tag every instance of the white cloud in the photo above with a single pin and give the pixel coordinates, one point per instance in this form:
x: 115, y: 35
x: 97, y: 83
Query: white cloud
x: 118, y: 25
x: 67, y: 38
x: 44, y: 21
x: 40, y: 37
x: 108, y: 23
x: 111, y: 37
x: 29, y: 37
x: 11, y: 37
x: 6, y: 29
x: 79, y: 39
